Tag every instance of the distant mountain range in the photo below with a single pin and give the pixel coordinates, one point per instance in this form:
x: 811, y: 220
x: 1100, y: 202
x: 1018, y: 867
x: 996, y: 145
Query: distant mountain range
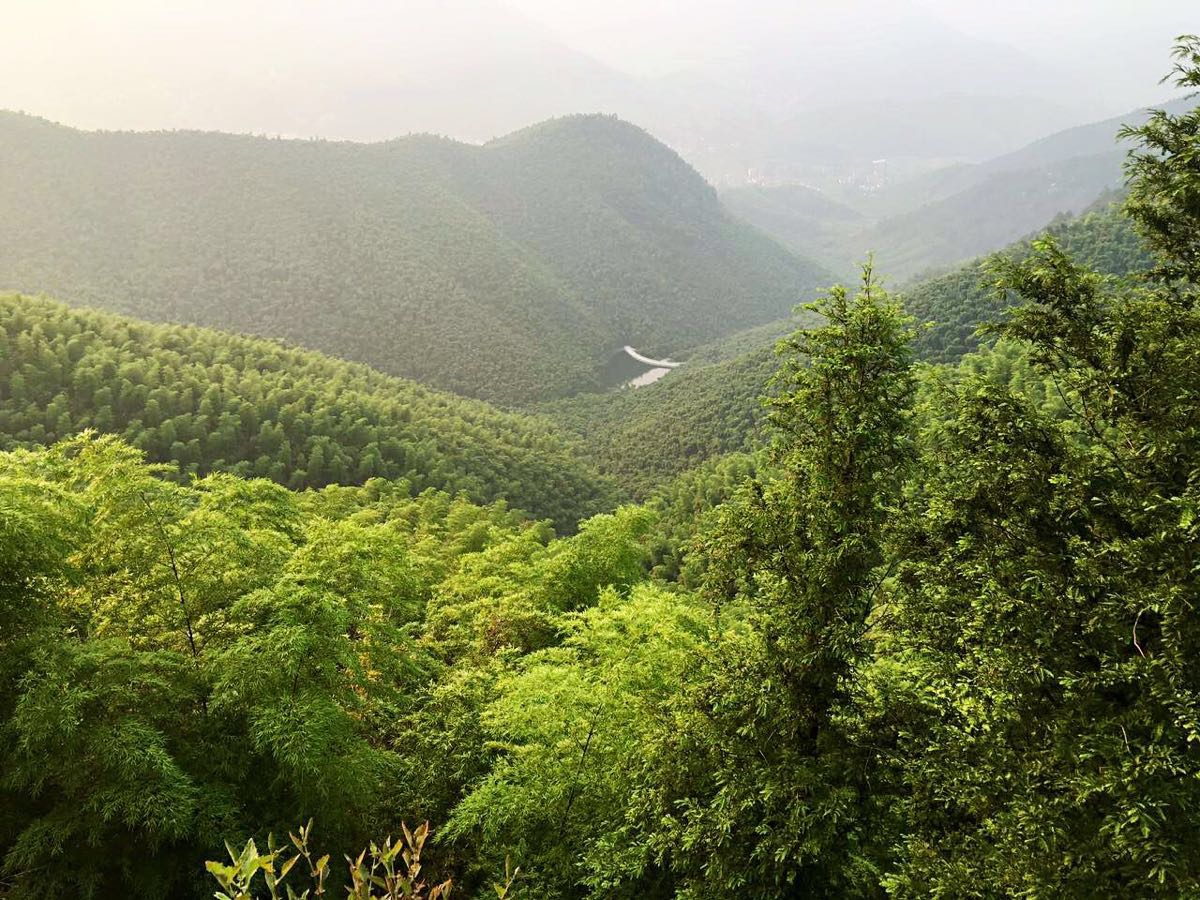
x: 788, y: 95
x: 510, y: 271
x: 934, y: 220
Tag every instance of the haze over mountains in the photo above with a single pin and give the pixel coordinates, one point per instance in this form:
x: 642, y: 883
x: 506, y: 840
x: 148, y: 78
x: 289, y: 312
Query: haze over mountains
x: 785, y: 88
x: 930, y: 221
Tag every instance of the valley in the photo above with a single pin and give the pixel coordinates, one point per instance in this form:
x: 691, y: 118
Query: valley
x: 583, y: 233
x: 659, y: 368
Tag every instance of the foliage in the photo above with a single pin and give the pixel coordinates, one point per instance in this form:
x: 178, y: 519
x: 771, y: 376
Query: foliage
x: 186, y: 662
x: 760, y: 790
x: 1050, y: 749
x: 387, y: 871
x: 206, y: 401
x: 514, y: 598
x: 509, y: 271
x: 569, y: 726
x: 686, y: 507
x: 1164, y: 202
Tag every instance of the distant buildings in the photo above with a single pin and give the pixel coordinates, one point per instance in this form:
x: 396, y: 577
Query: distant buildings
x: 865, y: 176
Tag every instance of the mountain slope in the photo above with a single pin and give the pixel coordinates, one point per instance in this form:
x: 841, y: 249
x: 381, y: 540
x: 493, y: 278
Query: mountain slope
x: 949, y: 215
x: 1001, y: 209
x: 202, y: 400
x: 803, y: 219
x: 643, y: 437
x: 508, y: 271
x: 958, y: 302
x: 708, y: 407
x: 983, y: 216
x: 1082, y: 141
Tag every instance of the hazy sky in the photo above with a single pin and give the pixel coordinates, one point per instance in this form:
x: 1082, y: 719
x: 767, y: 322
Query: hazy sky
x: 655, y: 36
x: 291, y: 66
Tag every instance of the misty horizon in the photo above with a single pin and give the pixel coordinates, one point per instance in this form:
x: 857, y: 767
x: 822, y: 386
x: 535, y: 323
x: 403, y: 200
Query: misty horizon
x: 693, y: 75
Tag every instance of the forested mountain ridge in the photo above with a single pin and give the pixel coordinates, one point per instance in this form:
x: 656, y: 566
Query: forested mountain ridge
x: 509, y: 271
x: 957, y: 303
x: 203, y: 401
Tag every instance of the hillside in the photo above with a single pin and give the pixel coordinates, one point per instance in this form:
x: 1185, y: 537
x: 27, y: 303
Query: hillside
x: 1001, y: 209
x: 709, y: 407
x: 935, y: 220
x: 805, y: 220
x: 958, y: 302
x: 202, y: 400
x: 1082, y: 141
x: 643, y: 437
x: 933, y: 229
x: 508, y: 271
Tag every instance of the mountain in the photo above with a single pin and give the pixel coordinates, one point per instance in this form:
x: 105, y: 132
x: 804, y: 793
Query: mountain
x: 958, y: 302
x: 643, y: 437
x: 994, y: 212
x: 984, y: 216
x: 831, y: 144
x: 509, y: 271
x: 709, y: 406
x: 201, y: 400
x: 934, y: 220
x: 1080, y: 141
x: 1091, y: 140
x: 803, y: 219
x: 832, y: 91
x: 368, y: 70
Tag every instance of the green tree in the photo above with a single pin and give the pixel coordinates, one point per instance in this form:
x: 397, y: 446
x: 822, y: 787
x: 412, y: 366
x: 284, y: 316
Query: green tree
x: 570, y: 724
x: 1164, y: 199
x: 762, y: 789
x: 1045, y: 622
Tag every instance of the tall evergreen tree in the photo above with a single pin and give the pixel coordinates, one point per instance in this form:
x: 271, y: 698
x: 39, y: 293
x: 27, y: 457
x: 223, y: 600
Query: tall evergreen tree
x: 1048, y: 580
x: 766, y: 792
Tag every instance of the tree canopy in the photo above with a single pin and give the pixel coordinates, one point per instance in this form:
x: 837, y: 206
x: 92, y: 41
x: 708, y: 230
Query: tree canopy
x: 205, y: 401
